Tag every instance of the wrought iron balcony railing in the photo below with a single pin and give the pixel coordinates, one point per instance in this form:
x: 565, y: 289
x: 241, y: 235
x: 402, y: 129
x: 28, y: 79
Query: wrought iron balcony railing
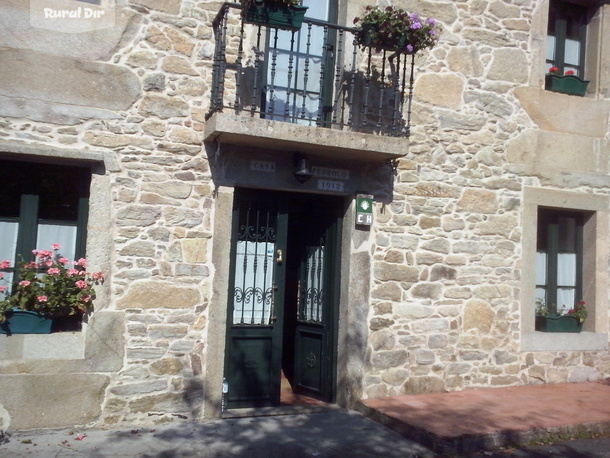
x: 317, y: 76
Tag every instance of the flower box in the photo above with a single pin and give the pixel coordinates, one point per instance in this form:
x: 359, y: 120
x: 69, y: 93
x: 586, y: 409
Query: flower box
x: 370, y: 37
x: 394, y: 29
x: 554, y: 323
x: 25, y: 322
x: 275, y: 15
x: 50, y: 288
x: 566, y: 84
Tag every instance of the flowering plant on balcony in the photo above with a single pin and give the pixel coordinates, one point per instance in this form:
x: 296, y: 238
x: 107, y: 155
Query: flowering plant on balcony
x: 51, y: 286
x: 395, y: 29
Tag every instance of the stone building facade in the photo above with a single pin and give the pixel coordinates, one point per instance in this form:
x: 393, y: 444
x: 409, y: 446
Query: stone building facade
x: 437, y: 294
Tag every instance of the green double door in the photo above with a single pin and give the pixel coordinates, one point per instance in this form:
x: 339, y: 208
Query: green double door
x: 283, y: 296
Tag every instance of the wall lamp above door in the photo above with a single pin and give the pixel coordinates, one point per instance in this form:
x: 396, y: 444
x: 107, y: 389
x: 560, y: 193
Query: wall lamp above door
x: 303, y: 170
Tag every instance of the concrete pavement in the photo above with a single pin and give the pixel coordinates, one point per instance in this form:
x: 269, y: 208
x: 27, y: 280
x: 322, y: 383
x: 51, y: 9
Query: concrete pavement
x: 334, y: 433
x: 465, y: 423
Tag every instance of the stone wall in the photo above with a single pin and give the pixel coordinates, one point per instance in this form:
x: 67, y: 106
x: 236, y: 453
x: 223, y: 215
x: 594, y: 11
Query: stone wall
x: 446, y: 253
x: 135, y: 95
x: 447, y: 299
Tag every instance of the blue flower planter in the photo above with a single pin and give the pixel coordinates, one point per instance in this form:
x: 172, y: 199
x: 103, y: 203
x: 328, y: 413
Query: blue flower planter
x: 25, y: 322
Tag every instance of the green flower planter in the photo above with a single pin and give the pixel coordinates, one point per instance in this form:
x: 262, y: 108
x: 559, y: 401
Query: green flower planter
x: 275, y: 16
x: 554, y: 323
x: 567, y: 84
x: 25, y: 322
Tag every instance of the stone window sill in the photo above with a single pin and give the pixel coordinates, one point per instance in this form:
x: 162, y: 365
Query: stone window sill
x: 58, y: 346
x: 564, y: 341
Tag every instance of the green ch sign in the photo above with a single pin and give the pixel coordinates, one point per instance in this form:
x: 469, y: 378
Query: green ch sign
x: 364, y: 210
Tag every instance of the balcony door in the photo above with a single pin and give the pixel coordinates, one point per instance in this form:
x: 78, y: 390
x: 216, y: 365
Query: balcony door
x: 299, y: 81
x: 283, y: 295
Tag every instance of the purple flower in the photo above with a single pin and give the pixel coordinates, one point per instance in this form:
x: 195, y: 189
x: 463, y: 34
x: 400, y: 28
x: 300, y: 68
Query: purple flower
x: 431, y: 21
x: 410, y: 48
x: 416, y: 25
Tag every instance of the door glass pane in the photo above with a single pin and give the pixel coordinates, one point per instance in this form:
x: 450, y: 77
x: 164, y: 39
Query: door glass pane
x: 64, y: 235
x: 254, y: 271
x: 254, y: 265
x: 313, y: 289
x: 318, y: 9
x: 297, y: 65
x: 314, y: 69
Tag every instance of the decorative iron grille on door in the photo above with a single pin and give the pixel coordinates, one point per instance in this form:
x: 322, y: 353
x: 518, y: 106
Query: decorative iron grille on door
x: 254, y: 267
x: 311, y: 288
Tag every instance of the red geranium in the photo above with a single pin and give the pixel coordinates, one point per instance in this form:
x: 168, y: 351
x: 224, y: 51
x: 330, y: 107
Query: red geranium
x: 579, y: 311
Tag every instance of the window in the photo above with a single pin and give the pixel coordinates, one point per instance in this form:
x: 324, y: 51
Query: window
x: 294, y: 74
x: 559, y: 255
x: 565, y: 255
x: 566, y: 36
x: 42, y: 204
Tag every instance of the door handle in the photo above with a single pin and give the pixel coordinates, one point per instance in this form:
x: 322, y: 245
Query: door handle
x: 273, y: 316
x: 299, y: 300
x: 279, y: 258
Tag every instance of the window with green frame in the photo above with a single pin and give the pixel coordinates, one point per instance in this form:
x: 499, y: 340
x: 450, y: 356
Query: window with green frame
x: 566, y: 36
x: 42, y: 204
x: 559, y: 258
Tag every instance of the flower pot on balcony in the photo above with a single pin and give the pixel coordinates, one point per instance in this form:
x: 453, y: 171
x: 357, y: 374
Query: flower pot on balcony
x: 370, y: 37
x: 25, y: 322
x: 275, y: 15
x: 567, y: 84
x: 394, y: 29
x: 554, y: 323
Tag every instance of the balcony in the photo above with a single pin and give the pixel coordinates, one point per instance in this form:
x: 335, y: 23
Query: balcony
x: 312, y: 90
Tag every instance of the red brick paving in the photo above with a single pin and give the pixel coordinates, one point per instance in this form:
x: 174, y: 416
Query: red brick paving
x: 489, y: 410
